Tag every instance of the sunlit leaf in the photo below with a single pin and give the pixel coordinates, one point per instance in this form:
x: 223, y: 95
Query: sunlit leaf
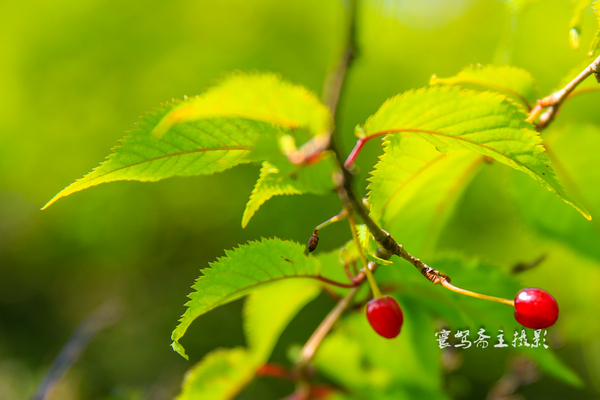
x: 208, y: 133
x: 453, y: 119
x: 414, y: 188
x: 512, y: 81
x: 242, y: 270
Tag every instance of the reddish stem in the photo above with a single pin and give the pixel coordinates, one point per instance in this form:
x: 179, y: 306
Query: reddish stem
x: 276, y: 371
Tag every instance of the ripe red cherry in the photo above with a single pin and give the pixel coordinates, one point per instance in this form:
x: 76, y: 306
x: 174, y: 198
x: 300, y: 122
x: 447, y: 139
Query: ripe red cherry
x: 385, y: 316
x: 535, y: 308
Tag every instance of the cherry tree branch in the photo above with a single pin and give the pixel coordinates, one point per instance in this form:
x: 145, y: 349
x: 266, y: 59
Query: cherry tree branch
x: 554, y: 101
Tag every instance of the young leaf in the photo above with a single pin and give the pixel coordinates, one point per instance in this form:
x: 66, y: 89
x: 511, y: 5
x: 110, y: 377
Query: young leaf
x: 242, y: 270
x: 453, y: 119
x: 208, y: 133
x: 414, y: 188
x: 289, y: 180
x: 517, y: 83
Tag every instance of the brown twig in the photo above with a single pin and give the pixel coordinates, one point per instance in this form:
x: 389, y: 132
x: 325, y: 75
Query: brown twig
x: 554, y: 101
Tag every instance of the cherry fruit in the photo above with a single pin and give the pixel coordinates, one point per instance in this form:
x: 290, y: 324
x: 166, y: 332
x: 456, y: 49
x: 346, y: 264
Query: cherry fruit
x: 385, y: 316
x: 535, y: 308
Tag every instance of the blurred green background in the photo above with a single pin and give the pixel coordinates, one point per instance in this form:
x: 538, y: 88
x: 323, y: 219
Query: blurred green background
x: 74, y: 76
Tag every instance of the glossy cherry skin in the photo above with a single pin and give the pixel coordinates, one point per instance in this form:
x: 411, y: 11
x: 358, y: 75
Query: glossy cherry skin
x: 385, y: 316
x: 535, y: 308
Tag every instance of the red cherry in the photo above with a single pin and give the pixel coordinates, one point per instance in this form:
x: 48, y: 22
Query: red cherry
x: 535, y: 308
x: 385, y: 316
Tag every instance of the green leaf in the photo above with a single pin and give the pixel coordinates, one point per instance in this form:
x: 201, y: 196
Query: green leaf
x: 270, y: 309
x: 208, y: 133
x: 221, y: 375
x: 568, y: 147
x: 289, y: 180
x: 453, y: 119
x: 414, y: 188
x: 517, y: 83
x: 242, y: 270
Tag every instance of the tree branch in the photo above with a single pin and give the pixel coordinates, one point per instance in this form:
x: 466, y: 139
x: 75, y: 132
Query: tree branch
x: 554, y: 101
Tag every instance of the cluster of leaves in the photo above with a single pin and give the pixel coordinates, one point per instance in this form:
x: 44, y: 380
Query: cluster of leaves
x: 436, y: 140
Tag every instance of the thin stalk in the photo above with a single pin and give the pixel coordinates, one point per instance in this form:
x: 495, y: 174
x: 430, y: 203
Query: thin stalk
x: 555, y: 100
x: 449, y: 286
x: 311, y: 346
x: 363, y: 259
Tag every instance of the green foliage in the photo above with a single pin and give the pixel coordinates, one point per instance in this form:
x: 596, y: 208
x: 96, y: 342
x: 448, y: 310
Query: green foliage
x: 208, y: 133
x: 414, y: 188
x: 240, y: 272
x: 299, y: 179
x: 453, y: 119
x: 517, y: 83
x: 222, y: 374
x: 437, y: 141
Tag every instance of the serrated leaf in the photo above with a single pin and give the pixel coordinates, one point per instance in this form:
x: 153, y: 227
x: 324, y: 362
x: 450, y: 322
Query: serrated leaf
x: 208, y: 133
x: 242, y: 270
x: 453, y: 119
x: 414, y: 188
x: 289, y: 180
x: 517, y: 83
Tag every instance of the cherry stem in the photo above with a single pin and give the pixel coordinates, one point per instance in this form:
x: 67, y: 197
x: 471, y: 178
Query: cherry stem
x: 310, y: 347
x: 449, y: 286
x: 342, y: 214
x: 374, y: 288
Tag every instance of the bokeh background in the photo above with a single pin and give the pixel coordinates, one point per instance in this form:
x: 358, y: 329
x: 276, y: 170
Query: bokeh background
x: 75, y: 75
